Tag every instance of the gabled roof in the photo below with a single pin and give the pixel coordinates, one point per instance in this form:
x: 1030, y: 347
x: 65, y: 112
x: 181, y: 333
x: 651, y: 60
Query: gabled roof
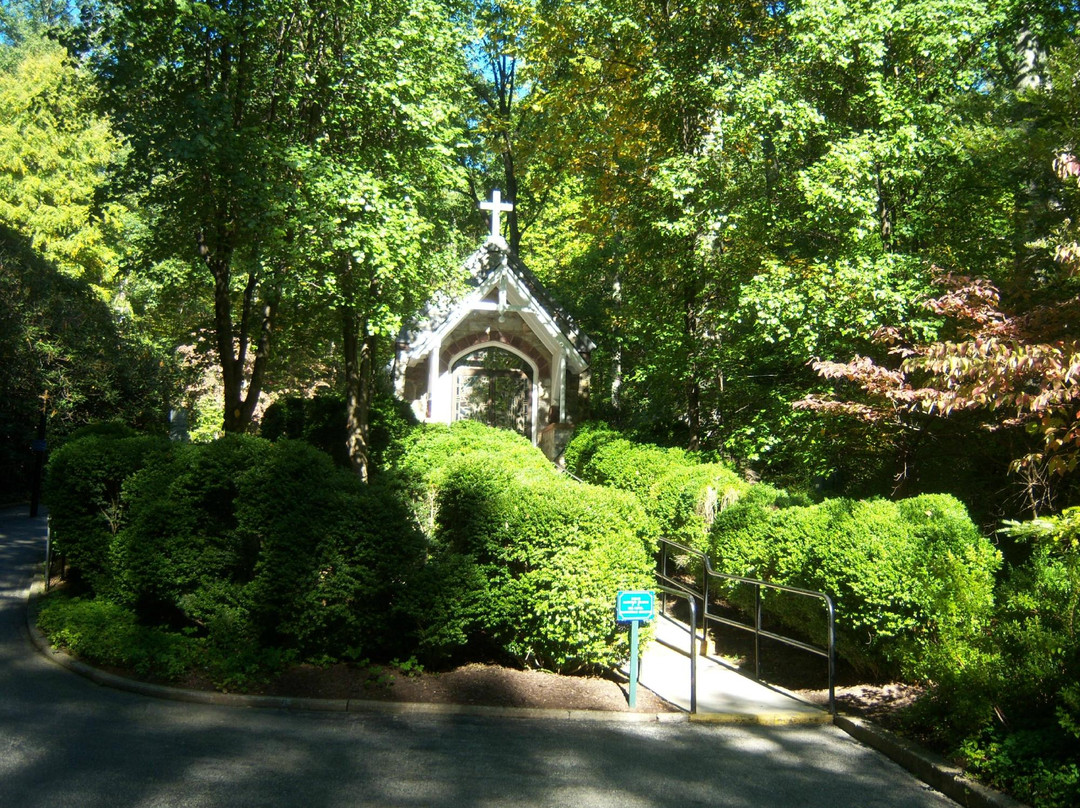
x: 494, y: 266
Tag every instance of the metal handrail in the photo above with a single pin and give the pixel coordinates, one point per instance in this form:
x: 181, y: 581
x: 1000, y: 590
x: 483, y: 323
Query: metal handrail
x: 679, y: 593
x: 706, y: 615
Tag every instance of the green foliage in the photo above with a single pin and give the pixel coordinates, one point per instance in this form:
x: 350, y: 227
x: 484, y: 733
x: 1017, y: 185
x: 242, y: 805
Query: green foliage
x: 55, y: 154
x: 259, y: 548
x: 912, y: 581
x: 320, y: 421
x: 524, y: 562
x: 682, y: 494
x: 83, y: 488
x: 1013, y: 713
x: 588, y: 439
x: 421, y: 460
x: 108, y: 634
x: 631, y: 466
x: 335, y: 556
x: 180, y: 526
x: 686, y: 500
x: 58, y: 338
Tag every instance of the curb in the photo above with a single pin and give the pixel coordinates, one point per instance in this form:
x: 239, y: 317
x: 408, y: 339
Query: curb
x: 932, y: 769
x: 116, y: 682
x: 775, y: 719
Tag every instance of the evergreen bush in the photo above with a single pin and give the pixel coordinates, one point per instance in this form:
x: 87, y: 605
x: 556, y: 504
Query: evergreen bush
x: 682, y: 494
x: 1014, y: 717
x: 587, y: 439
x: 687, y: 499
x: 550, y: 557
x: 83, y: 489
x: 621, y: 463
x: 335, y: 557
x: 912, y: 581
x: 249, y: 544
x: 524, y: 562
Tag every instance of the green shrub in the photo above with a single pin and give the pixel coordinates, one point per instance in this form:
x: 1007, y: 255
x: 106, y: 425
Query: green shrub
x: 912, y: 581
x: 321, y: 422
x: 421, y: 460
x: 261, y: 544
x: 250, y: 543
x: 524, y: 562
x: 551, y: 556
x: 631, y: 466
x: 587, y: 439
x: 83, y: 489
x: 1014, y: 714
x: 687, y: 499
x: 681, y: 493
x: 180, y: 530
x: 335, y: 556
x: 106, y: 633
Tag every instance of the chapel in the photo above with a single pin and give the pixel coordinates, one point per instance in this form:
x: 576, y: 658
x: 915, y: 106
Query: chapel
x: 500, y: 351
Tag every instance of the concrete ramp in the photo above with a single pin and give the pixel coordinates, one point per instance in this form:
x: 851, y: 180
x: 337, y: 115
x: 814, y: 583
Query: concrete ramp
x: 723, y: 695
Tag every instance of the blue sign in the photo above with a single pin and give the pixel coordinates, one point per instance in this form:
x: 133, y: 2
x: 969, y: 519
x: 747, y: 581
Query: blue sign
x: 635, y: 605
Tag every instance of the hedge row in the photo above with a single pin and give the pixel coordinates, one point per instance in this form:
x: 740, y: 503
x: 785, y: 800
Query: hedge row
x: 682, y: 494
x: 249, y: 544
x: 265, y: 551
x: 912, y: 580
x: 1014, y: 712
x: 524, y: 561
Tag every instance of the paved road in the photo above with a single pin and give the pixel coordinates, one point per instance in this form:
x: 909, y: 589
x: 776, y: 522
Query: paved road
x: 67, y: 742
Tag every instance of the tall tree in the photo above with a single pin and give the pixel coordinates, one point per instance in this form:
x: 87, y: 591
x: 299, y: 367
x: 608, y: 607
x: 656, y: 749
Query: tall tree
x: 55, y: 154
x: 263, y: 132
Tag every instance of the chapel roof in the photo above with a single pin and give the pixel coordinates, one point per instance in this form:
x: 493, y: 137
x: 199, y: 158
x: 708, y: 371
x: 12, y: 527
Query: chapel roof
x: 483, y: 267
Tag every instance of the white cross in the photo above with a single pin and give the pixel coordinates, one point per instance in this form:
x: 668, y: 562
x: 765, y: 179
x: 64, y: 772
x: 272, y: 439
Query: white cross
x: 496, y: 206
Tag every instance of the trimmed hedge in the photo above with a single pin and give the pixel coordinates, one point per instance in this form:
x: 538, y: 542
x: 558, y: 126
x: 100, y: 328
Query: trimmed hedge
x: 421, y: 461
x: 83, y: 489
x: 912, y: 580
x: 249, y: 544
x: 587, y: 439
x: 525, y: 562
x: 321, y: 422
x: 686, y: 500
x: 681, y: 493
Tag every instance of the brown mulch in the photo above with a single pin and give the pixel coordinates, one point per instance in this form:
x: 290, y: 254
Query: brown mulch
x: 472, y: 684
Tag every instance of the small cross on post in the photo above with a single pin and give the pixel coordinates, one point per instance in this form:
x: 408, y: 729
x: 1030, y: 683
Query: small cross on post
x: 497, y: 207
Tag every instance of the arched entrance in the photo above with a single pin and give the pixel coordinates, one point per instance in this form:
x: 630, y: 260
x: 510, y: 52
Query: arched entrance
x: 494, y: 386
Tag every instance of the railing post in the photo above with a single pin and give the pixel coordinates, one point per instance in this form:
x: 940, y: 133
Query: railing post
x: 704, y: 609
x: 693, y: 657
x: 832, y: 654
x: 757, y: 631
x: 48, y: 553
x: 681, y: 589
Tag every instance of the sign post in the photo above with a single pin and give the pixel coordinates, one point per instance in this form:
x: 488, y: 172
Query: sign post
x: 634, y: 606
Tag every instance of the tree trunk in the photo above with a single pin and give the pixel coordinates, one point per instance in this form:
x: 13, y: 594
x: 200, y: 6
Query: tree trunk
x: 232, y: 345
x: 616, y: 356
x: 359, y: 347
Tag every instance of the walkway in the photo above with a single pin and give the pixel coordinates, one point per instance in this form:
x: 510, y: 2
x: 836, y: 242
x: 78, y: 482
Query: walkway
x: 722, y: 694
x: 67, y: 741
